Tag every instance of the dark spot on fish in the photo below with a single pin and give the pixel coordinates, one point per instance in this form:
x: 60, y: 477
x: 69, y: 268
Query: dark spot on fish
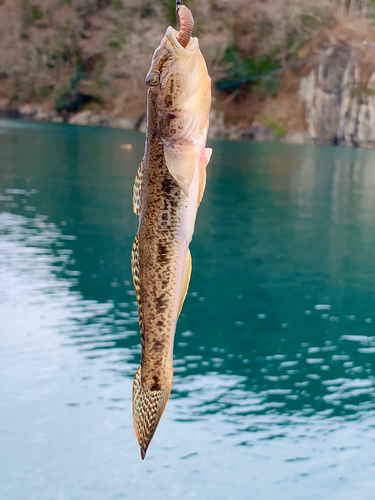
x: 160, y: 303
x: 162, y: 253
x: 156, y: 385
x: 168, y: 101
x: 164, y: 216
x: 171, y: 116
x: 158, y: 345
x: 159, y: 323
x: 166, y: 185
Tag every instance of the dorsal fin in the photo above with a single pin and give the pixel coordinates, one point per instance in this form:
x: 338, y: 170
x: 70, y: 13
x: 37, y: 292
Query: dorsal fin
x: 136, y: 278
x: 137, y: 190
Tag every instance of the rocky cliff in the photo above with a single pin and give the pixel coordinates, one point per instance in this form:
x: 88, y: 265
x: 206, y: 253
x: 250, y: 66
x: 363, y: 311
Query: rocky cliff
x: 339, y: 92
x: 326, y: 96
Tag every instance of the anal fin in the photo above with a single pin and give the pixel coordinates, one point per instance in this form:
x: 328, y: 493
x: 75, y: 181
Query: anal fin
x: 186, y: 281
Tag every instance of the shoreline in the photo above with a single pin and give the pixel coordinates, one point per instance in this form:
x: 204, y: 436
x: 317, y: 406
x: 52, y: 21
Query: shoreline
x: 218, y: 130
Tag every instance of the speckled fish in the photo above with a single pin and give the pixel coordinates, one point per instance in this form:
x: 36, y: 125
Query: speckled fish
x: 167, y: 191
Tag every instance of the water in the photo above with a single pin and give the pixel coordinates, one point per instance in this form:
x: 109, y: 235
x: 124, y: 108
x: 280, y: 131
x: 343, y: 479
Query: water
x: 273, y: 395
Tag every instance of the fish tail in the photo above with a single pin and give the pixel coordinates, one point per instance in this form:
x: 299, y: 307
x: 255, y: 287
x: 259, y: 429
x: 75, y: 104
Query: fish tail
x: 148, y: 408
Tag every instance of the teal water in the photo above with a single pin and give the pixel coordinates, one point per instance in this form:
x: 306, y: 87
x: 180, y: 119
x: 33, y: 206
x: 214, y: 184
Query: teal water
x: 273, y: 395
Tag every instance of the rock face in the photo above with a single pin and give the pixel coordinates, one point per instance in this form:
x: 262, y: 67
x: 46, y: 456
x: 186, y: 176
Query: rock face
x: 339, y: 96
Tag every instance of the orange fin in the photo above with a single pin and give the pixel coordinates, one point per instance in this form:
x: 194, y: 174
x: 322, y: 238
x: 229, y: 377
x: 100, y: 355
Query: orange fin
x: 186, y: 282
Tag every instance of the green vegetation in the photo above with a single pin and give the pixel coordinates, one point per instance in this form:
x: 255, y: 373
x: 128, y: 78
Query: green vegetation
x: 79, y: 92
x: 117, y: 37
x: 65, y: 49
x: 45, y: 90
x: 116, y: 4
x: 30, y: 14
x: 70, y: 98
x: 22, y: 88
x: 310, y: 22
x: 36, y: 13
x: 362, y: 93
x: 276, y: 127
x: 147, y: 9
x: 85, y: 8
x: 113, y: 45
x: 246, y: 71
x: 169, y: 9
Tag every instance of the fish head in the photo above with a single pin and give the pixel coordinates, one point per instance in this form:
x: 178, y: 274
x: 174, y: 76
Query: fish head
x: 180, y: 86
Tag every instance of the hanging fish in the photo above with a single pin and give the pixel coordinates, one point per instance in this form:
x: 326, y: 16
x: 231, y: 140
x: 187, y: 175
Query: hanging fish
x: 167, y: 191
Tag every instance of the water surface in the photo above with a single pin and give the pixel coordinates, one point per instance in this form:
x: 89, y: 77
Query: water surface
x: 273, y: 395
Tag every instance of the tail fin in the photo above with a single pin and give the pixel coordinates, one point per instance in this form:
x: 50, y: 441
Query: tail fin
x: 148, y: 408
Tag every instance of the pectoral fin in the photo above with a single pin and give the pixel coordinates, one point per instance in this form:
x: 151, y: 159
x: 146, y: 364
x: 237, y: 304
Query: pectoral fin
x: 181, y: 166
x: 186, y: 281
x: 137, y: 190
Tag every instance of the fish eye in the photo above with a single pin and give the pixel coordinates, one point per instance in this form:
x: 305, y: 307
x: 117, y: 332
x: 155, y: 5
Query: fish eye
x: 152, y: 79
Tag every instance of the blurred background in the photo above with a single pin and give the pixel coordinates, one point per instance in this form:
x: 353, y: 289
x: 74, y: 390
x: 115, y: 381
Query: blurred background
x: 274, y: 376
x: 296, y: 70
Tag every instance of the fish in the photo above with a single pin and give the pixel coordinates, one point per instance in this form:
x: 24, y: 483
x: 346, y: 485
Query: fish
x: 167, y: 191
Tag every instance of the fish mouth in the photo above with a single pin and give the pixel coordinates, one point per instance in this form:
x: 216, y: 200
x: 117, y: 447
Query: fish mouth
x: 173, y: 44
